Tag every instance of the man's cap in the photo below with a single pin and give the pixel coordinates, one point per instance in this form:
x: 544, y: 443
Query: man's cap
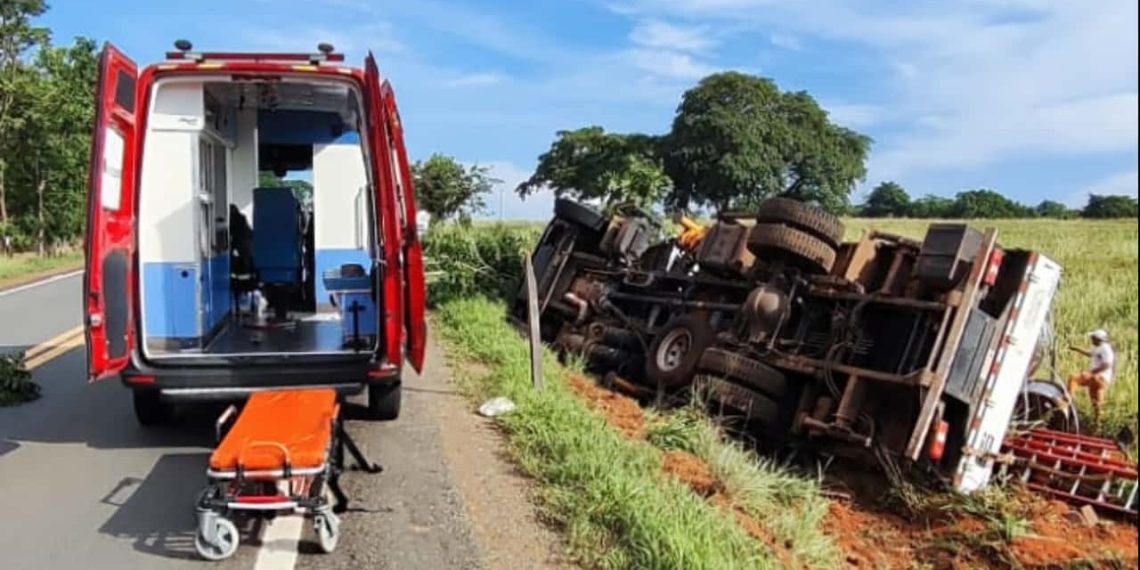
x: 1099, y: 334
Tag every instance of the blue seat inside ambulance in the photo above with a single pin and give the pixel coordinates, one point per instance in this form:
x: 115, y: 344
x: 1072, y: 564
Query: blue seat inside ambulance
x: 277, y: 236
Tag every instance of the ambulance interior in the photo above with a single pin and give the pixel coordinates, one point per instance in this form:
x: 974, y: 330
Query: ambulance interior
x: 255, y: 221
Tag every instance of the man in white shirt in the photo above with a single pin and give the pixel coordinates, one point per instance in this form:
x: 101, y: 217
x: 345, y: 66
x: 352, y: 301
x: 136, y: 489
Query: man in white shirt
x: 1098, y: 378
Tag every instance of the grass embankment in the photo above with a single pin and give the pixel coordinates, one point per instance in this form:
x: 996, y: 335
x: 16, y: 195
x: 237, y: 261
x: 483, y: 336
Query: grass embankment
x: 1099, y: 289
x: 25, y: 268
x: 608, y: 490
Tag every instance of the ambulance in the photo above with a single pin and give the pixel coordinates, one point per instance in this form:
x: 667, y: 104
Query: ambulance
x: 251, y: 226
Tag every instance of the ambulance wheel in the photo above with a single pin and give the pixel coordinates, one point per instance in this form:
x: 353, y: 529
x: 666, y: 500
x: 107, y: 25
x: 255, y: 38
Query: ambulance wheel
x: 384, y: 401
x: 225, y: 542
x: 150, y: 410
x: 327, y: 526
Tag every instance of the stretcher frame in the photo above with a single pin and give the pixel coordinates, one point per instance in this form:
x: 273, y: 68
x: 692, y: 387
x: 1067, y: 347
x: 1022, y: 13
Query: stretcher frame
x: 266, y: 493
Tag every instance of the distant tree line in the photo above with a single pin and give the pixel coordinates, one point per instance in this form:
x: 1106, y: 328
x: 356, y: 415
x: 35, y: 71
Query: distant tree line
x: 891, y: 200
x: 46, y: 110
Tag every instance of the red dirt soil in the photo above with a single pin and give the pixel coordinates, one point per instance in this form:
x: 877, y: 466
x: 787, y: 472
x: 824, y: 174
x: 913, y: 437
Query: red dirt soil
x: 622, y: 412
x: 875, y: 539
x: 690, y: 470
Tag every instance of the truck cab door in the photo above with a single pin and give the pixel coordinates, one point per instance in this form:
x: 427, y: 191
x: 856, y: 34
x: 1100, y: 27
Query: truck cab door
x: 387, y: 215
x: 415, y: 298
x: 110, y: 249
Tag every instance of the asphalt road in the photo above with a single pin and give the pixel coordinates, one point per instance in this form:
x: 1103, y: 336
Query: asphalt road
x: 82, y: 485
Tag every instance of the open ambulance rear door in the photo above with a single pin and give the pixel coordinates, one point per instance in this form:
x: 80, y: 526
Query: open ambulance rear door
x: 109, y: 280
x: 415, y: 298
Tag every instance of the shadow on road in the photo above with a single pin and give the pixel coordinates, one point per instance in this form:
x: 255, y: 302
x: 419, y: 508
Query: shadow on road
x: 71, y: 410
x: 157, y: 513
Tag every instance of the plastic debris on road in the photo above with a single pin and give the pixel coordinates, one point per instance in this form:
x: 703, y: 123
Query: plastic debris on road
x: 496, y: 407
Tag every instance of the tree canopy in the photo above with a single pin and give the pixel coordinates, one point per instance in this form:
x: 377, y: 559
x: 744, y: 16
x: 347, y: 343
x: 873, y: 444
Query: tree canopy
x: 591, y: 164
x: 1110, y: 207
x: 985, y: 203
x: 737, y: 139
x: 887, y: 200
x: 447, y: 189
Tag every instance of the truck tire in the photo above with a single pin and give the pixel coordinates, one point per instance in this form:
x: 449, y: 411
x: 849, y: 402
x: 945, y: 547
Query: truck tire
x: 795, y: 247
x: 745, y: 371
x: 804, y: 217
x: 676, y: 351
x: 754, y: 406
x: 384, y: 401
x: 150, y: 410
x: 578, y: 214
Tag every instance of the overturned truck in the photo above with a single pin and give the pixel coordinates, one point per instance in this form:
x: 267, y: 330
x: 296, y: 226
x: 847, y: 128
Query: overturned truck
x: 881, y: 348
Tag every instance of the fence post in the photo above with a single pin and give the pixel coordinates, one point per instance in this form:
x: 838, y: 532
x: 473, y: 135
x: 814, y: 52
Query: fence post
x: 532, y: 321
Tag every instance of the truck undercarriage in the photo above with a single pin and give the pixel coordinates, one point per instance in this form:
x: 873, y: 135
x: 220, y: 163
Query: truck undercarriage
x: 881, y: 348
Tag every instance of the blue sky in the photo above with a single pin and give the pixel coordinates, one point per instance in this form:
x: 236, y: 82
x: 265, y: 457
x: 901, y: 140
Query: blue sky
x: 1035, y: 98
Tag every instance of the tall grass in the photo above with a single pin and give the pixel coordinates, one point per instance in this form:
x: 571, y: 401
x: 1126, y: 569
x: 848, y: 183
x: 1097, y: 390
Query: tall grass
x: 1099, y: 289
x: 25, y: 264
x: 608, y: 492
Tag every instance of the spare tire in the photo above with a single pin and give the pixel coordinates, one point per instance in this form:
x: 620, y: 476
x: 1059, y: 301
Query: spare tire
x: 800, y: 249
x: 745, y: 371
x: 811, y: 219
x: 581, y: 215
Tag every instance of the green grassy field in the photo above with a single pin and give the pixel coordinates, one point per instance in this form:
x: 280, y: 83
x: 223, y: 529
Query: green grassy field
x: 27, y: 266
x: 1099, y: 289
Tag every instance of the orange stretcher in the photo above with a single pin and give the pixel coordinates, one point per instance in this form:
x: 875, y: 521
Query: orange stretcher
x: 283, y: 455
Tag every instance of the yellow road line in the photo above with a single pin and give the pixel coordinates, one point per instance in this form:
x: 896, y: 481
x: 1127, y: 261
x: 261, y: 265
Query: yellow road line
x: 53, y: 348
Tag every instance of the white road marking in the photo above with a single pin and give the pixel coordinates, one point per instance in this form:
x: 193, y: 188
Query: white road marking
x: 35, y: 284
x: 279, y: 539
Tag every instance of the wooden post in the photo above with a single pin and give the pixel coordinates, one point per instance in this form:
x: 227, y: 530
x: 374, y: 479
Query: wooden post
x: 532, y: 321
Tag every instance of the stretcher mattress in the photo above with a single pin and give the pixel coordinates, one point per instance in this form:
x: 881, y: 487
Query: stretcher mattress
x: 299, y: 421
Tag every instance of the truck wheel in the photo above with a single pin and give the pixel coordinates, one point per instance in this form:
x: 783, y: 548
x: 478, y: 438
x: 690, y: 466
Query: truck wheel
x: 384, y: 401
x: 676, y: 350
x: 797, y: 248
x: 804, y: 217
x: 150, y: 410
x: 753, y: 405
x: 578, y: 214
x: 746, y: 371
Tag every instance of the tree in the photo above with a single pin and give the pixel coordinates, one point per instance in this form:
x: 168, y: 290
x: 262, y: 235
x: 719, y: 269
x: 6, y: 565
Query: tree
x: 445, y: 188
x: 987, y: 204
x: 931, y: 207
x: 887, y: 200
x: 1103, y: 207
x: 737, y: 139
x: 17, y: 36
x: 1055, y: 210
x: 590, y: 163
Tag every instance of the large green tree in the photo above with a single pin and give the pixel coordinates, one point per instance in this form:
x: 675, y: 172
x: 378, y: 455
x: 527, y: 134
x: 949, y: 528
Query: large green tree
x: 986, y: 203
x: 931, y: 207
x: 737, y: 139
x: 447, y: 189
x: 591, y: 164
x: 17, y: 36
x: 1102, y: 207
x: 887, y: 200
x: 1054, y: 209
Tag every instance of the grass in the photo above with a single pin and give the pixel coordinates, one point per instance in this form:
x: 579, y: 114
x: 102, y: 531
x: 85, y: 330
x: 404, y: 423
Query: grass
x: 606, y: 491
x: 23, y: 266
x: 1099, y: 289
x: 790, y: 507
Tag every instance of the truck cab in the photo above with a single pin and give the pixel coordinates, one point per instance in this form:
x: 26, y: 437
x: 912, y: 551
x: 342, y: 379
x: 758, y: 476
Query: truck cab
x: 251, y: 225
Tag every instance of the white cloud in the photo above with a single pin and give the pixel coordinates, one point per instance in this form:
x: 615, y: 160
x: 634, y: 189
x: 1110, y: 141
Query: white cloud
x: 378, y: 36
x: 659, y: 34
x: 973, y: 83
x: 785, y: 41
x: 1120, y: 184
x: 474, y: 80
x: 668, y: 63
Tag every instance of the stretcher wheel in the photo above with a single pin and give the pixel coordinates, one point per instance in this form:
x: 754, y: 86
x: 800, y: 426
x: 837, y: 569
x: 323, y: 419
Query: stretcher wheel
x: 327, y: 526
x: 225, y: 542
